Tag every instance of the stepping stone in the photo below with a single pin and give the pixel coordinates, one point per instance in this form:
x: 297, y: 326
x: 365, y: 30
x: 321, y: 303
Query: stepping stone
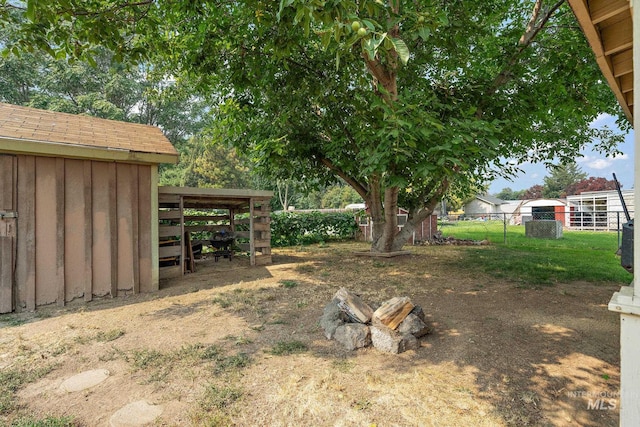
x: 84, y: 380
x: 135, y: 414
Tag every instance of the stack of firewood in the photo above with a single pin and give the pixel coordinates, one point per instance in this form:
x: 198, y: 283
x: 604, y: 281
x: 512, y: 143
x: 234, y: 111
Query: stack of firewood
x: 393, y: 327
x: 439, y: 239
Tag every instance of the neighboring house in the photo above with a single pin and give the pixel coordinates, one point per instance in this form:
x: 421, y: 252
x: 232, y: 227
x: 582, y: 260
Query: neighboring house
x: 484, y: 205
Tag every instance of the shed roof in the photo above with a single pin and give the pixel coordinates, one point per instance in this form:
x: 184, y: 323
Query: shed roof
x: 25, y: 130
x: 205, y: 198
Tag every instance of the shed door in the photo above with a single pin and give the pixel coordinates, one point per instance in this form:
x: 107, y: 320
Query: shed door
x: 7, y: 230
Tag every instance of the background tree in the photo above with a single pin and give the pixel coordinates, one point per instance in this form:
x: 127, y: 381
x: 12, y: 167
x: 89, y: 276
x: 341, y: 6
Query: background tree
x: 562, y: 176
x: 339, y: 196
x: 534, y: 192
x: 508, y: 194
x: 402, y: 100
x: 591, y: 184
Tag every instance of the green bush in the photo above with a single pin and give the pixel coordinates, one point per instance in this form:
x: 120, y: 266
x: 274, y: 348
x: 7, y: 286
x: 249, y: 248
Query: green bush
x: 303, y: 228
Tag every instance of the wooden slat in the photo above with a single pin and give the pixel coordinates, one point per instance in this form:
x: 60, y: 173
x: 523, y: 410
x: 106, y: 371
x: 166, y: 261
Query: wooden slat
x: 6, y: 262
x: 244, y: 247
x: 262, y: 227
x: 262, y: 243
x: 206, y: 218
x: 244, y: 221
x: 88, y: 236
x: 252, y: 247
x: 618, y: 37
x: 102, y: 230
x: 145, y: 241
x: 7, y: 183
x: 210, y: 228
x: 170, y: 251
x: 172, y: 214
x: 622, y: 63
x: 59, y: 210
x: 604, y: 9
x: 168, y: 198
x: 242, y: 234
x: 113, y: 220
x: 46, y: 226
x: 25, y: 255
x: 76, y: 230
x: 626, y: 83
x: 169, y: 230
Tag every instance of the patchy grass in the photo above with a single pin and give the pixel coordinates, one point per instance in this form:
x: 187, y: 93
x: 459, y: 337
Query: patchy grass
x: 503, y: 353
x: 284, y: 348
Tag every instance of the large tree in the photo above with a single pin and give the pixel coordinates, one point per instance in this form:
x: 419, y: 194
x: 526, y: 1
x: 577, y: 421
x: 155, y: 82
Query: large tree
x: 560, y: 178
x: 403, y: 100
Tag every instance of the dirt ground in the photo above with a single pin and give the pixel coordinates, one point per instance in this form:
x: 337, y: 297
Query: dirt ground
x: 235, y: 345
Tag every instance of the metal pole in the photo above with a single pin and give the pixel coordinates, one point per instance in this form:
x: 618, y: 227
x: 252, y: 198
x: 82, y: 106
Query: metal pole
x: 504, y: 223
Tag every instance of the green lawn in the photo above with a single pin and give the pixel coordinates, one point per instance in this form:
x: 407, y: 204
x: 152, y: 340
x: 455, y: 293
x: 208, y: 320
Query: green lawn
x: 578, y: 255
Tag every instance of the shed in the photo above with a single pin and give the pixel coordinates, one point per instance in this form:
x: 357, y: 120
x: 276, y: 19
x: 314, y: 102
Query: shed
x: 78, y: 207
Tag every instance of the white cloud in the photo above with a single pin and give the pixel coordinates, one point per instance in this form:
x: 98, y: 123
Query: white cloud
x: 599, y: 163
x: 621, y: 156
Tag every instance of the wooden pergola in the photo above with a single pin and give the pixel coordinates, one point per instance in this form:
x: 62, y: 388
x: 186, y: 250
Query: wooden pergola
x: 244, y: 214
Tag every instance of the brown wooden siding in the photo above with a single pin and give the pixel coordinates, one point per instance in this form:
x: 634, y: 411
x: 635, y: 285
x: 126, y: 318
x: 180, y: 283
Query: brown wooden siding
x: 84, y: 230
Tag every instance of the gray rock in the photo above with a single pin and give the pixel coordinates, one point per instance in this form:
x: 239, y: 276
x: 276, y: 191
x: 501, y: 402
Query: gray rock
x: 413, y: 325
x: 417, y: 310
x: 331, y: 318
x: 353, y: 335
x: 387, y: 340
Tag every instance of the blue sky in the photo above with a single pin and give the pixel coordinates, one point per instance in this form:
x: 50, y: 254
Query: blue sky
x: 592, y: 163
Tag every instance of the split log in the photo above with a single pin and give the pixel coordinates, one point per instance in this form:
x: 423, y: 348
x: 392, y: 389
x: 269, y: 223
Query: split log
x: 393, y: 312
x: 353, y: 306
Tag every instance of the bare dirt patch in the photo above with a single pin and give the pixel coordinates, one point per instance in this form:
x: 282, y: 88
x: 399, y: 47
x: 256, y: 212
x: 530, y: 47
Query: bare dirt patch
x: 234, y: 345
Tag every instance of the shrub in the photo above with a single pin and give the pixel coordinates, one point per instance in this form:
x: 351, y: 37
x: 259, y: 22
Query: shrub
x: 303, y: 228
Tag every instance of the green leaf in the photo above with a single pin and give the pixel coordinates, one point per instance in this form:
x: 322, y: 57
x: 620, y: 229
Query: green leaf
x: 424, y: 33
x: 402, y: 49
x: 31, y: 10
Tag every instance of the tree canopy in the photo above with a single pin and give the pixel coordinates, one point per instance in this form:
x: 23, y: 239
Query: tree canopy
x: 402, y: 100
x: 560, y: 179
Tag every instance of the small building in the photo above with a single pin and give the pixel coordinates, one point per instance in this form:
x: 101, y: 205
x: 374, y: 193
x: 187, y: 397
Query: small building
x: 78, y: 207
x: 423, y: 232
x: 539, y: 209
x: 600, y: 210
x: 484, y: 205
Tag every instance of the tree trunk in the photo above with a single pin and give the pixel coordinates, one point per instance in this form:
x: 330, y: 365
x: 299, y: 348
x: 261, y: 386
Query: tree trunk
x: 384, y: 215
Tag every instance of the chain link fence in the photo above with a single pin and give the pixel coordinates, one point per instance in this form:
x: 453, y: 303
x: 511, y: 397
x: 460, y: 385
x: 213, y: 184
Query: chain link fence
x: 571, y: 220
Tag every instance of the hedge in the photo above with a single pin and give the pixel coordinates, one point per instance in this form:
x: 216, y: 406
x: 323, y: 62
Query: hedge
x: 303, y: 228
